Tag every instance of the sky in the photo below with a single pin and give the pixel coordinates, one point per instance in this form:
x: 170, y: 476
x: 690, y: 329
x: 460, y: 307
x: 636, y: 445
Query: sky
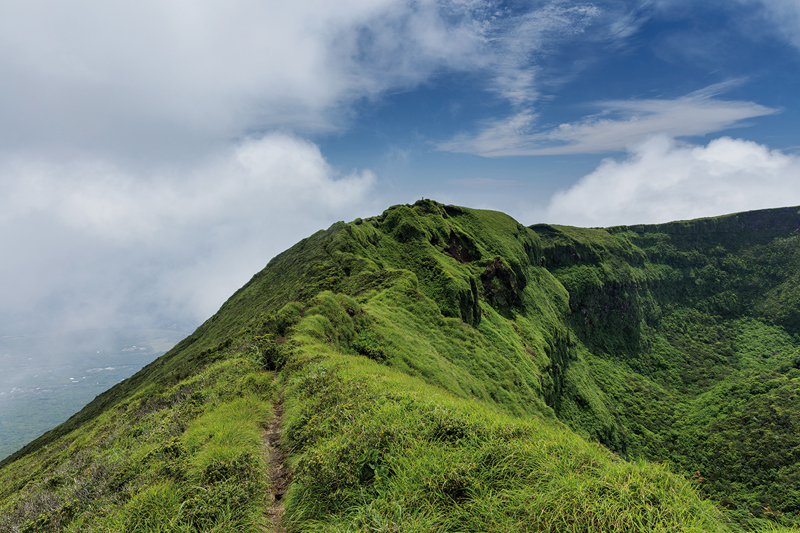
x: 155, y: 154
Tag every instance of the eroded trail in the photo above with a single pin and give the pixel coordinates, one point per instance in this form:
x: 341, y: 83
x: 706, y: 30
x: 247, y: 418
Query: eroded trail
x: 280, y: 476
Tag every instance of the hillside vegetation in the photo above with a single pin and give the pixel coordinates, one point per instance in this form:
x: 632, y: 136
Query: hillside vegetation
x: 438, y: 368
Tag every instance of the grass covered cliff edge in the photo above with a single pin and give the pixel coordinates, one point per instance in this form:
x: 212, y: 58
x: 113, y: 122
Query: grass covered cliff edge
x: 438, y: 368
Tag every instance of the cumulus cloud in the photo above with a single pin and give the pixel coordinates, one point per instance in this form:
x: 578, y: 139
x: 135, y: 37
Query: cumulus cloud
x: 137, y: 176
x: 662, y: 180
x: 154, y: 79
x: 86, y: 239
x: 617, y: 125
x: 158, y: 78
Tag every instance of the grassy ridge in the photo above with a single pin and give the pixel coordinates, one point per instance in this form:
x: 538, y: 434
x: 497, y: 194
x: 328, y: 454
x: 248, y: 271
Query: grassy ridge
x: 378, y: 450
x: 431, y: 360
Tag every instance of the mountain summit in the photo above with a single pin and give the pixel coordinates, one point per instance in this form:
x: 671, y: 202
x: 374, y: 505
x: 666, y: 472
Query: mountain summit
x: 439, y: 368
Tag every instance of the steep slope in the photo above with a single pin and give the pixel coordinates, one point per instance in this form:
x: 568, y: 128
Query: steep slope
x: 427, y: 361
x: 691, y: 332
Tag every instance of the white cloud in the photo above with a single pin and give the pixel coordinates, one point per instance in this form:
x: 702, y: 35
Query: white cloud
x: 123, y: 189
x: 86, y: 240
x: 620, y: 123
x: 785, y: 14
x: 157, y: 80
x: 135, y: 174
x: 661, y: 180
x: 514, y: 44
x: 499, y: 138
x: 156, y: 77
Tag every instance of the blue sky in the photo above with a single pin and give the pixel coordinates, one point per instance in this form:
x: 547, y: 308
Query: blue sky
x: 690, y: 71
x: 156, y: 154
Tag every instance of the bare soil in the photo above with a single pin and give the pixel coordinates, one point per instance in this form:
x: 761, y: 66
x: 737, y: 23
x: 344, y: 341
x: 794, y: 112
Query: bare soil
x: 280, y: 475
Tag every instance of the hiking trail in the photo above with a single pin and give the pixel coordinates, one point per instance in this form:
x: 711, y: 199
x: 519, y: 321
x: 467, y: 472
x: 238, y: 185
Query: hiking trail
x: 280, y: 475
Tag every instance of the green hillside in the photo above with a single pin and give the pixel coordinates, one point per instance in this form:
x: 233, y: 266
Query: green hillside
x: 438, y: 368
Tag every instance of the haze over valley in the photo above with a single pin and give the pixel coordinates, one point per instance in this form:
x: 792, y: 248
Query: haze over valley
x: 44, y: 380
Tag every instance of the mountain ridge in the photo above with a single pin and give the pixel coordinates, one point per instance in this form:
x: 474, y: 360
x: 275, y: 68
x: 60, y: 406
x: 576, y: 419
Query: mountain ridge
x: 563, y: 326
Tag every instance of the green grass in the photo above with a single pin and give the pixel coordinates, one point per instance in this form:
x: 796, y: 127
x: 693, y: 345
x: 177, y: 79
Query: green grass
x: 447, y: 369
x: 377, y: 449
x: 183, y: 458
x: 677, y: 332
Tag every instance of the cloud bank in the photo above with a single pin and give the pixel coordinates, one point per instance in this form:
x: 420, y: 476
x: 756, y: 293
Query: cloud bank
x: 662, y: 180
x: 151, y: 153
x: 88, y: 240
x: 141, y: 175
x: 156, y: 79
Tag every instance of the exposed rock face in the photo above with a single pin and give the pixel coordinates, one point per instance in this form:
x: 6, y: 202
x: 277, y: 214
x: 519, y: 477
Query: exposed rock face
x: 461, y: 248
x: 469, y: 306
x: 500, y: 286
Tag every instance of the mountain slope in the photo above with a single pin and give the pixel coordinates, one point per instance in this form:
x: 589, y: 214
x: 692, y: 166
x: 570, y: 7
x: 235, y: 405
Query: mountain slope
x: 691, y: 332
x: 431, y: 362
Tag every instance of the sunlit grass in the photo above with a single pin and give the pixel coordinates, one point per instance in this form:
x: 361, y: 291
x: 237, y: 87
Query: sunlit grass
x: 429, y: 361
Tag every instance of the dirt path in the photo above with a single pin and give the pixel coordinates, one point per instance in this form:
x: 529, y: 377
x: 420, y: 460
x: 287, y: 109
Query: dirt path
x: 280, y: 476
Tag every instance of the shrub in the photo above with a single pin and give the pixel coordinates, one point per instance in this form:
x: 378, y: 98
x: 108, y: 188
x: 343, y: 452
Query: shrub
x: 153, y: 510
x: 367, y: 345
